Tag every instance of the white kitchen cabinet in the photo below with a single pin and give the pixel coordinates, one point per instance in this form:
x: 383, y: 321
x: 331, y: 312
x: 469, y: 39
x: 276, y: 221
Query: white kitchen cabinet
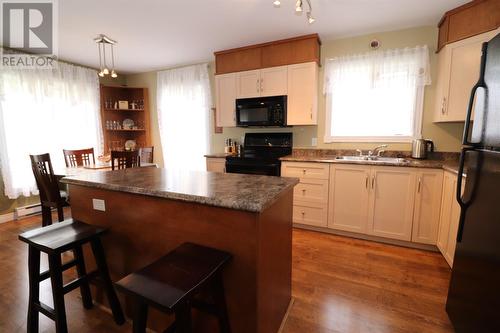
x: 349, y: 195
x: 216, y: 164
x: 458, y: 71
x: 225, y: 87
x: 248, y: 84
x: 427, y: 206
x: 392, y: 198
x: 310, y: 195
x: 274, y: 81
x: 449, y: 218
x: 302, y: 103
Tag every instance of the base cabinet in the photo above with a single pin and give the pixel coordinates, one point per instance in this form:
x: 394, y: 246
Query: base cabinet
x: 349, y: 190
x: 391, y: 203
x: 449, y: 218
x: 216, y: 164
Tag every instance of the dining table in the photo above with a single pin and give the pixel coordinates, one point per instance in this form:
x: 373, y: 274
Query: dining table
x: 95, y: 167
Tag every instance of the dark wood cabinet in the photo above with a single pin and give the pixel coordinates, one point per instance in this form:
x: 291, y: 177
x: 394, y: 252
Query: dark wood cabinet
x: 473, y: 18
x: 115, y: 132
x: 278, y: 53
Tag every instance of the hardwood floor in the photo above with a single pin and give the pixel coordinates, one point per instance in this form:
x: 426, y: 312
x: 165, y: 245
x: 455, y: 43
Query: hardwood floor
x: 339, y: 285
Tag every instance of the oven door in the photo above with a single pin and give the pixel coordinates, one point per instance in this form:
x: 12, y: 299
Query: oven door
x: 253, y: 168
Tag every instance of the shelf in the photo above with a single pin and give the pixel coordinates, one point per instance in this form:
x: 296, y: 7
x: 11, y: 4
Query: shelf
x: 125, y: 110
x: 126, y: 130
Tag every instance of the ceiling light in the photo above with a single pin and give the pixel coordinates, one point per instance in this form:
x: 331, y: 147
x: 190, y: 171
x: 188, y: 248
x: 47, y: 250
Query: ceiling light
x: 298, y: 6
x: 102, y: 43
x: 277, y: 3
x: 310, y: 19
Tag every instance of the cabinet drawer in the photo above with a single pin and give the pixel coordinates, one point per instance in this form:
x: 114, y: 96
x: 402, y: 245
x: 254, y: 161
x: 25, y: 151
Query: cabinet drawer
x: 311, y: 190
x: 305, y: 170
x: 310, y: 214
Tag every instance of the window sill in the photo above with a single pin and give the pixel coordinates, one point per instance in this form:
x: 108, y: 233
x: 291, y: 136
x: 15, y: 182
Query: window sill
x: 368, y: 139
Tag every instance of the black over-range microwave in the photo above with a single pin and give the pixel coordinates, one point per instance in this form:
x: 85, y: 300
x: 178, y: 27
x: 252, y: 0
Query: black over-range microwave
x: 261, y: 111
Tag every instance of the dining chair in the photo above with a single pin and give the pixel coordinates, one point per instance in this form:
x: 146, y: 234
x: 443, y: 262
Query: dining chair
x: 125, y: 159
x: 147, y: 154
x: 48, y: 185
x: 80, y: 157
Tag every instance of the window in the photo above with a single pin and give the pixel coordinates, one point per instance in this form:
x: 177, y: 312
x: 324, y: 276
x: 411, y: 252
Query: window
x: 184, y: 103
x: 377, y: 96
x: 45, y: 111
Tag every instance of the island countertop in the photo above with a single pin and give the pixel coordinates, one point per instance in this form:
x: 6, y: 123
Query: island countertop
x: 251, y: 193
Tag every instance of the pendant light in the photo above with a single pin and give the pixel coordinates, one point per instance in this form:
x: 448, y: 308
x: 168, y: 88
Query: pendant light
x: 104, y: 42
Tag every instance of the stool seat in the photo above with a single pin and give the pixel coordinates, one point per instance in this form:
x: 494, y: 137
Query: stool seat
x: 175, y: 276
x: 62, y: 236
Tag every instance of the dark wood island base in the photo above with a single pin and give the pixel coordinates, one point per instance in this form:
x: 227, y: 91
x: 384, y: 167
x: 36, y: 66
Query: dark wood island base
x: 144, y: 228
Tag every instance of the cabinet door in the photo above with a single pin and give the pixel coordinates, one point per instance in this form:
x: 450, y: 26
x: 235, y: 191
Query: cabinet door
x: 302, y: 94
x: 216, y: 164
x: 248, y: 84
x: 442, y: 84
x: 454, y: 220
x: 274, y: 81
x: 427, y: 206
x: 308, y: 213
x: 225, y: 86
x: 391, y: 203
x: 445, y: 215
x: 349, y: 193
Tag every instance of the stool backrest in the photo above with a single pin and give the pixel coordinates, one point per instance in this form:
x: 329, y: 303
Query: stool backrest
x: 80, y: 157
x: 125, y: 159
x: 45, y: 178
x: 147, y: 154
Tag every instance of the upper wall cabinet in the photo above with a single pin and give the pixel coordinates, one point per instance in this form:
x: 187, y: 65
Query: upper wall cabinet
x: 225, y: 99
x: 264, y: 82
x: 278, y: 53
x: 458, y: 71
x: 468, y: 20
x: 302, y: 104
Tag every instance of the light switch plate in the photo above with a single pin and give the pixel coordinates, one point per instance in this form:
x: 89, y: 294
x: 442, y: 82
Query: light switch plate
x: 99, y: 204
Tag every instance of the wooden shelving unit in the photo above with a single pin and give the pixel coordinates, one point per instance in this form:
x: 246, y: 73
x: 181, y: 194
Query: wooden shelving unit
x: 112, y: 118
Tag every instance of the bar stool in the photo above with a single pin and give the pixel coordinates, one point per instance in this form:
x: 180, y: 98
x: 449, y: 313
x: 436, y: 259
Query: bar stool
x: 172, y: 282
x: 54, y: 240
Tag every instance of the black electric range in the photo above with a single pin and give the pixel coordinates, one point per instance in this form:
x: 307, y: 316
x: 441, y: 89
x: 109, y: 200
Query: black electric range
x: 261, y: 154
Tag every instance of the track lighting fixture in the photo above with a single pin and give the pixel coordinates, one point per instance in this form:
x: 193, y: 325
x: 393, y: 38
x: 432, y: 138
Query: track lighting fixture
x: 299, y: 8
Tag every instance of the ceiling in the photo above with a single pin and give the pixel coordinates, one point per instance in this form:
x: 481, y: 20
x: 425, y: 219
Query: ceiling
x: 157, y: 34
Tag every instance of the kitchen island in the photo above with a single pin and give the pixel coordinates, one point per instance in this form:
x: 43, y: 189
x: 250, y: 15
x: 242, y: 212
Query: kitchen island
x: 150, y: 211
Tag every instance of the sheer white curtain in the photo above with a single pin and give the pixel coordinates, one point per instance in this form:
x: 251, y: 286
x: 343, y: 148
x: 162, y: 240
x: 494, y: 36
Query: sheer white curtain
x: 44, y: 111
x: 184, y: 101
x: 376, y: 95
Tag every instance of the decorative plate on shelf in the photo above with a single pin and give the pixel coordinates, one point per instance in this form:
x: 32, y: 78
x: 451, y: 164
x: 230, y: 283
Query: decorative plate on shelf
x: 130, y: 145
x: 128, y: 124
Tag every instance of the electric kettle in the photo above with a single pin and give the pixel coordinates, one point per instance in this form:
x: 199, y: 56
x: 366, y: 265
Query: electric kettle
x: 420, y: 147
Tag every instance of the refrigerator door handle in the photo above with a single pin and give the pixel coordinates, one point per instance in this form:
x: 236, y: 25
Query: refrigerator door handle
x: 463, y: 205
x: 480, y: 84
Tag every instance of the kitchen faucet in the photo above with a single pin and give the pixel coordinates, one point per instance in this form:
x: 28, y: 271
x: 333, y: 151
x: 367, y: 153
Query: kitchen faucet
x: 377, y: 150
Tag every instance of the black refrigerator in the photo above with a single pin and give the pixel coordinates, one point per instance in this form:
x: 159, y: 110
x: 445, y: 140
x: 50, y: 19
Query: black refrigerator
x: 473, y: 303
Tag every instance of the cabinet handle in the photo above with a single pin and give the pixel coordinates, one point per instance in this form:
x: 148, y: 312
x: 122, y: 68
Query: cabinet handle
x: 373, y: 183
x: 303, y: 192
x: 419, y: 184
x: 445, y: 109
x: 303, y: 214
x: 257, y: 85
x: 303, y: 171
x: 261, y: 85
x: 311, y: 113
x: 366, y: 182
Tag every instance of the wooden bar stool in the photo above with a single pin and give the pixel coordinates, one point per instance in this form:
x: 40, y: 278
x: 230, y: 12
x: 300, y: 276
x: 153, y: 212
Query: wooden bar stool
x: 172, y: 282
x: 54, y: 240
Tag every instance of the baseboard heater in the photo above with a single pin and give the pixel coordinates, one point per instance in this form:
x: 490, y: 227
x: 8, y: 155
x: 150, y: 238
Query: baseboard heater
x: 25, y: 211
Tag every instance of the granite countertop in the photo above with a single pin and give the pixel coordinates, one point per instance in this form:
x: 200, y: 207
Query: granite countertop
x: 446, y: 161
x: 217, y: 155
x: 234, y: 191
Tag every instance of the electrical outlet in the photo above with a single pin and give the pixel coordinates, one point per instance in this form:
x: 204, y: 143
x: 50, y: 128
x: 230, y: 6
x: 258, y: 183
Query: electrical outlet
x: 99, y: 204
x: 314, y: 142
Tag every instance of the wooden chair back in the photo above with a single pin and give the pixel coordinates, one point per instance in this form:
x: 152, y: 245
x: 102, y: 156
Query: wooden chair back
x: 46, y: 181
x: 125, y: 159
x: 81, y: 157
x: 147, y: 154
